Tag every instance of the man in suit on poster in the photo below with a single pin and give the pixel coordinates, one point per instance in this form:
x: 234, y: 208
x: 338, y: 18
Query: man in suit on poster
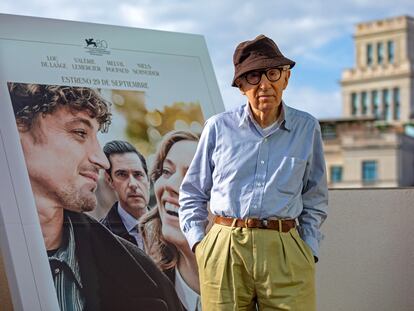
x: 92, y: 269
x: 127, y: 175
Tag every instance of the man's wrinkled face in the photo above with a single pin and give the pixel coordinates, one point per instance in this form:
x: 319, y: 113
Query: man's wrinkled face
x: 130, y: 182
x: 266, y: 96
x: 63, y: 158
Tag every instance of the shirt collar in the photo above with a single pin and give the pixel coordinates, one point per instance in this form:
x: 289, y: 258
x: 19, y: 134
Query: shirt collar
x: 129, y: 221
x: 287, y: 117
x: 244, y: 118
x: 283, y: 120
x: 66, y: 252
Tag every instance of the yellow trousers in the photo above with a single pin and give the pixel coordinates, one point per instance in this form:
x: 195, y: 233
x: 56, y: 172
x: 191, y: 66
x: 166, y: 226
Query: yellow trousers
x: 245, y: 269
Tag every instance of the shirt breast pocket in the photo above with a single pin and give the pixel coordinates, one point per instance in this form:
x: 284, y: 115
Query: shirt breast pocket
x: 234, y: 160
x: 289, y: 175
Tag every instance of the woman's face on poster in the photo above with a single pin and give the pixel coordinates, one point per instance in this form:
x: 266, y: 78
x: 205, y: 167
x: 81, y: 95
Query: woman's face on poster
x: 166, y: 187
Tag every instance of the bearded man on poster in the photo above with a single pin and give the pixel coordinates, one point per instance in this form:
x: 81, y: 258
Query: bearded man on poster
x: 261, y: 167
x: 92, y: 269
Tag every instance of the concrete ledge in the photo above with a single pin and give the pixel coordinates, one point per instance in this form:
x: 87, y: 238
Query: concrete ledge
x: 367, y: 256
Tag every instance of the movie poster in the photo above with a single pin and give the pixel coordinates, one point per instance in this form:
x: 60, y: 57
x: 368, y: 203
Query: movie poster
x: 75, y: 98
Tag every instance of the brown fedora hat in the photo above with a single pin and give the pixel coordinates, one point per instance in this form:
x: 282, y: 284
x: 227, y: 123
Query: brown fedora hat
x: 259, y: 53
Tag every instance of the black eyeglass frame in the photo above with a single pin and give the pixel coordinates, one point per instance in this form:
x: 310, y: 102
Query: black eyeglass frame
x: 265, y: 72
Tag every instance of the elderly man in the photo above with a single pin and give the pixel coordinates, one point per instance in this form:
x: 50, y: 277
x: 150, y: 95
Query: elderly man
x: 128, y: 177
x: 92, y: 269
x: 262, y: 168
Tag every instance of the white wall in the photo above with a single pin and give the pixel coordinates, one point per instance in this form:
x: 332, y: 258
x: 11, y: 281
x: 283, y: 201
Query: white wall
x: 367, y: 256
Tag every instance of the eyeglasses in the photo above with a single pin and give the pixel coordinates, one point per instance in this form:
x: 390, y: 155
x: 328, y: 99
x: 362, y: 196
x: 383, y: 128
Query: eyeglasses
x: 272, y: 74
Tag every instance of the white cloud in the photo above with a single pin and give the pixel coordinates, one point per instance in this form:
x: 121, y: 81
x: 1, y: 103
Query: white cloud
x: 321, y: 104
x: 134, y: 15
x: 159, y: 17
x: 301, y: 28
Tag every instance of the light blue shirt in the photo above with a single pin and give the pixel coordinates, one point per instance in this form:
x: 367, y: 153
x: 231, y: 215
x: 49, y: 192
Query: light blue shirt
x: 244, y: 172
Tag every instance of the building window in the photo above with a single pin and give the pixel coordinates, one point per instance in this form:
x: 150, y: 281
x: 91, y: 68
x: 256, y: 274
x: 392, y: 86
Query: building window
x: 369, y: 54
x: 380, y: 52
x: 364, y: 105
x: 386, y: 104
x: 354, y: 104
x: 336, y: 173
x: 375, y: 104
x: 390, y: 48
x: 396, y: 100
x: 328, y: 131
x: 369, y: 171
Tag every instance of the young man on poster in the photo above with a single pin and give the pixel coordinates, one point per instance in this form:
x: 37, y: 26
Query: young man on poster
x: 92, y: 269
x: 128, y: 177
x: 262, y: 168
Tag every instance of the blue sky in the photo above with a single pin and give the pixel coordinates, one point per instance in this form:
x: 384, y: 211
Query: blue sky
x: 316, y: 34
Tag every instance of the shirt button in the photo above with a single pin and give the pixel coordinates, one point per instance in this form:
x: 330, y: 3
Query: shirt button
x: 259, y: 184
x: 254, y: 206
x: 262, y: 162
x: 265, y: 139
x: 57, y: 270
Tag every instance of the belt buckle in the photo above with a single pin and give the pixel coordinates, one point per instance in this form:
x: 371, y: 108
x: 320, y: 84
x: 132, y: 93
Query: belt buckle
x: 263, y: 223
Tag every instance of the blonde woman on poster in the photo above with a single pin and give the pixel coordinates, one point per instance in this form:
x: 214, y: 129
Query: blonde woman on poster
x: 164, y: 241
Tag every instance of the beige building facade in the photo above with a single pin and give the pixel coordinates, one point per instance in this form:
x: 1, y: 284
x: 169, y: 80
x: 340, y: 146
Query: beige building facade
x: 372, y: 145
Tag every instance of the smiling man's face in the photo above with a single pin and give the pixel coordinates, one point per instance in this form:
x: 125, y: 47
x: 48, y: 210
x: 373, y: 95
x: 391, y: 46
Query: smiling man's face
x: 63, y: 158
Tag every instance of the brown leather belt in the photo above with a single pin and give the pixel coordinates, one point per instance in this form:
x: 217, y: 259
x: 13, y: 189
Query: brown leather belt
x: 283, y: 225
